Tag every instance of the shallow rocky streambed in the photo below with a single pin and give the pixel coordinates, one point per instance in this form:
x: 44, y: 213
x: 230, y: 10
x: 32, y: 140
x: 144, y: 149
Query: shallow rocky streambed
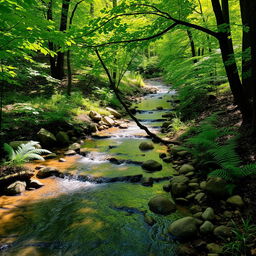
x: 73, y: 217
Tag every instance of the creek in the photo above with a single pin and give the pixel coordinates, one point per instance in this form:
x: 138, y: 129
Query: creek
x: 74, y: 218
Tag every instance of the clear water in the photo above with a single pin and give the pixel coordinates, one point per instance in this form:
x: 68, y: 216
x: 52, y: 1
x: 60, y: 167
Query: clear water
x: 82, y: 218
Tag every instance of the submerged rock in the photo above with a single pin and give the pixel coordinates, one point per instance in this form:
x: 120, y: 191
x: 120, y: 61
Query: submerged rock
x: 151, y: 166
x: 184, y: 228
x: 161, y: 205
x: 146, y: 146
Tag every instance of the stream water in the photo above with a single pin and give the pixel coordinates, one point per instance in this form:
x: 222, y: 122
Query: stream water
x: 71, y: 218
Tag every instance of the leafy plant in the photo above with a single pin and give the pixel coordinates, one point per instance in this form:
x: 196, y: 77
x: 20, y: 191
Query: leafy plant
x: 244, y: 236
x: 24, y: 153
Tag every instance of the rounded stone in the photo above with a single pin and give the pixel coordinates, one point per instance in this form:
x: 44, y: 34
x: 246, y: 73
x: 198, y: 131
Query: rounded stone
x: 146, y: 146
x: 186, y: 168
x: 235, y: 201
x: 152, y: 166
x: 184, y: 228
x: 222, y: 231
x: 208, y: 214
x: 207, y: 227
x: 161, y: 205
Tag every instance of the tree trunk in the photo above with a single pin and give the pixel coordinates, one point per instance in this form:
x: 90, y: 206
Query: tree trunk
x: 192, y: 45
x: 227, y: 52
x: 63, y: 26
x: 251, y: 7
x: 246, y: 48
x: 52, y: 59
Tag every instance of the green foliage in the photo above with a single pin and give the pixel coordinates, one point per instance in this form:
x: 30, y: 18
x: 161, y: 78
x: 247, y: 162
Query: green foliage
x: 244, y: 237
x: 208, y: 150
x: 24, y: 153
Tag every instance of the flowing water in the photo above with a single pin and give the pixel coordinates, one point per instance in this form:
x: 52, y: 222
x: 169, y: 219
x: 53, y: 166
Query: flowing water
x: 69, y: 217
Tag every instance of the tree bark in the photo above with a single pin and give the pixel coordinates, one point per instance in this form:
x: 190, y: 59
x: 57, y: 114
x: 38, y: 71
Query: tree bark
x: 192, y: 45
x: 63, y: 26
x: 227, y: 52
x: 246, y: 47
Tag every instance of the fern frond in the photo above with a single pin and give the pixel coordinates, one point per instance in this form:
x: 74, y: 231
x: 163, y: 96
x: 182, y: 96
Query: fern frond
x: 248, y: 170
x: 222, y: 173
x: 9, y: 150
x: 32, y: 156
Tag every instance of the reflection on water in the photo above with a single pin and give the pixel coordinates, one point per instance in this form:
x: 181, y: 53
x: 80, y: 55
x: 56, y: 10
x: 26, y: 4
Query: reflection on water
x: 69, y: 217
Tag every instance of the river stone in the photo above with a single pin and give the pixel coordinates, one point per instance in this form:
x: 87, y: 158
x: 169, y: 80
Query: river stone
x: 70, y: 153
x: 123, y: 126
x: 207, y: 227
x: 193, y: 185
x: 178, y: 189
x: 34, y: 183
x: 147, y: 181
x: 162, y: 155
x: 74, y: 146
x: 179, y: 179
x: 167, y: 187
x: 200, y: 198
x: 146, y: 146
x: 152, y: 166
x: 62, y: 138
x: 186, y: 168
x: 46, y: 138
x: 216, y: 187
x: 16, y: 188
x: 184, y: 228
x: 62, y: 160
x: 189, y: 174
x: 47, y: 172
x: 95, y: 116
x: 186, y: 250
x: 108, y: 121
x: 214, y: 248
x: 222, y: 231
x: 50, y: 156
x: 114, y: 112
x: 235, y: 201
x: 161, y: 205
x: 208, y: 214
x: 203, y: 185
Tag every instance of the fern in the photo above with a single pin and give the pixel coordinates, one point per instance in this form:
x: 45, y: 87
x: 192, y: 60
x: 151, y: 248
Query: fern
x: 24, y: 153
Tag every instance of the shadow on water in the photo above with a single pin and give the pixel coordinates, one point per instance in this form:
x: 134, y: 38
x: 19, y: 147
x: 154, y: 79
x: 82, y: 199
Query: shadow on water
x: 106, y: 220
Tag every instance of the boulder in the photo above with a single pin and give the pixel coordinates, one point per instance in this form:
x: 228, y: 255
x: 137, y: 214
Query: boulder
x: 208, y: 214
x: 179, y: 179
x: 114, y: 112
x: 200, y: 197
x: 186, y: 168
x: 46, y: 138
x: 123, y: 126
x: 161, y: 205
x: 184, y: 228
x: 75, y: 146
x: 207, y: 227
x: 179, y: 189
x: 216, y: 187
x: 95, y: 116
x: 70, y: 152
x: 222, y: 232
x: 151, y: 166
x: 146, y: 146
x: 214, y: 248
x: 47, y: 172
x: 235, y: 201
x: 16, y: 188
x: 62, y: 138
x: 50, y: 156
x: 108, y: 121
x: 35, y: 183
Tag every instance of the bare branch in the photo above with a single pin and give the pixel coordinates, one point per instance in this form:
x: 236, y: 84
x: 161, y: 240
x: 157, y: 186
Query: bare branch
x: 134, y: 40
